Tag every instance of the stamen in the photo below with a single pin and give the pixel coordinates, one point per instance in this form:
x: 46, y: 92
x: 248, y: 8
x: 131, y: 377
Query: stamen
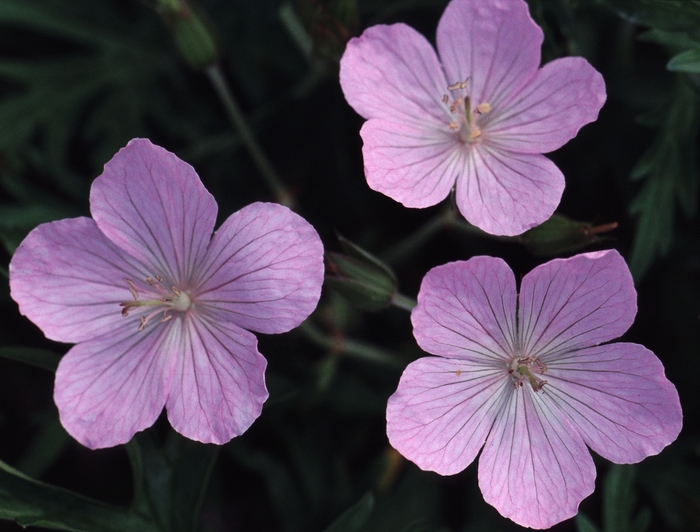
x: 132, y: 288
x: 466, y: 124
x: 458, y: 86
x: 523, y: 368
x: 159, y: 298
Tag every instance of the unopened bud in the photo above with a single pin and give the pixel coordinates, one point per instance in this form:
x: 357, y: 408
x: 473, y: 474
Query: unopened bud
x: 560, y: 234
x: 364, y: 280
x: 192, y: 32
x: 330, y: 24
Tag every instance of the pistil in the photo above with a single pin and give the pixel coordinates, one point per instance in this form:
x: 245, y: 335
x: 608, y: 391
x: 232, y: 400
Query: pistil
x: 524, y: 368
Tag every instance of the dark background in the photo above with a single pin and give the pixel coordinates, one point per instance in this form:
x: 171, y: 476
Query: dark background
x: 79, y: 79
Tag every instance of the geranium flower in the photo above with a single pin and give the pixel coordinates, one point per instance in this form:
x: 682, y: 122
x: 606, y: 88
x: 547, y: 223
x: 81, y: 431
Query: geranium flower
x: 529, y: 378
x: 159, y: 308
x: 480, y: 116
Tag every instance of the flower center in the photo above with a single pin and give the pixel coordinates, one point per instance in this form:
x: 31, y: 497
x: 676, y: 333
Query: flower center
x: 525, y: 368
x: 465, y: 120
x: 157, y: 297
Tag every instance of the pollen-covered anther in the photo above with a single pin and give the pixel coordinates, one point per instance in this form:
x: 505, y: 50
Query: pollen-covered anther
x: 483, y: 108
x: 458, y: 86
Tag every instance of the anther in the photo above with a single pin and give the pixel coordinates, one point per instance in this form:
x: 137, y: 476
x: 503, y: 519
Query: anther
x: 483, y: 108
x: 132, y: 288
x: 458, y: 86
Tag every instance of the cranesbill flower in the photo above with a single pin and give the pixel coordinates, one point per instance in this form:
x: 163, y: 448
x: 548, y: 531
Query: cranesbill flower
x: 159, y: 308
x: 480, y: 116
x: 529, y: 378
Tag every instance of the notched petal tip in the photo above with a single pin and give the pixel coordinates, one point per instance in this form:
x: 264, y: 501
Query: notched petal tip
x: 264, y: 269
x: 441, y: 413
x: 153, y: 205
x: 218, y: 382
x: 110, y: 388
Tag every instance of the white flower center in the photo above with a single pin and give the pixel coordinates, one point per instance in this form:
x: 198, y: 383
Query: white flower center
x: 158, y: 298
x: 465, y: 120
x: 524, y: 368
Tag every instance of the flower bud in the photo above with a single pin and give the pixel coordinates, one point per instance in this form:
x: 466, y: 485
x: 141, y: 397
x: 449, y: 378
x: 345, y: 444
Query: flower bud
x: 364, y: 280
x: 330, y: 24
x: 560, y: 234
x: 192, y: 32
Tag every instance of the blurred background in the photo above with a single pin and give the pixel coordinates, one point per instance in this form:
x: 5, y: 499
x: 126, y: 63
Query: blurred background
x: 79, y: 79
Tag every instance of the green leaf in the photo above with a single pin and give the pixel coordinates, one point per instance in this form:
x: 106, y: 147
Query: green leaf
x: 170, y: 482
x: 32, y: 503
x: 98, y: 94
x: 669, y: 38
x: 41, y: 358
x: 584, y: 524
x: 670, y: 176
x: 688, y: 61
x: 681, y: 16
x: 46, y: 446
x: 619, y: 497
x: 355, y: 517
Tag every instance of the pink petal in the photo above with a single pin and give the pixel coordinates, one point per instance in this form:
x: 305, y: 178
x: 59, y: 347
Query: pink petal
x: 493, y: 43
x: 565, y: 95
x: 618, y: 398
x: 466, y: 310
x: 393, y: 72
x: 534, y: 469
x: 506, y: 193
x: 412, y: 165
x: 68, y: 278
x: 443, y: 410
x: 154, y: 206
x: 218, y: 386
x: 110, y: 388
x: 264, y: 269
x: 568, y: 304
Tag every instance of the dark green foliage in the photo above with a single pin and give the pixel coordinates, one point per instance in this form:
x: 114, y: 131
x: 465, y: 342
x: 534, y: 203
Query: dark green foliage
x: 79, y: 78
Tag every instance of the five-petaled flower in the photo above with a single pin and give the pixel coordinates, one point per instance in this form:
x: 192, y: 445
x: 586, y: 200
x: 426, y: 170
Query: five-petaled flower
x: 480, y: 116
x: 529, y: 378
x: 159, y: 308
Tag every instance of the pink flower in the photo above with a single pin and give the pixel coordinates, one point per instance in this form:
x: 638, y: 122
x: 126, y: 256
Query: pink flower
x: 526, y: 377
x: 480, y: 116
x: 158, y: 307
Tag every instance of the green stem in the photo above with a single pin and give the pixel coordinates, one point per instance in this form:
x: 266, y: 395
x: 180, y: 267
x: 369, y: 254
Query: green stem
x: 403, y: 302
x: 269, y: 174
x: 406, y: 247
x: 349, y: 347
